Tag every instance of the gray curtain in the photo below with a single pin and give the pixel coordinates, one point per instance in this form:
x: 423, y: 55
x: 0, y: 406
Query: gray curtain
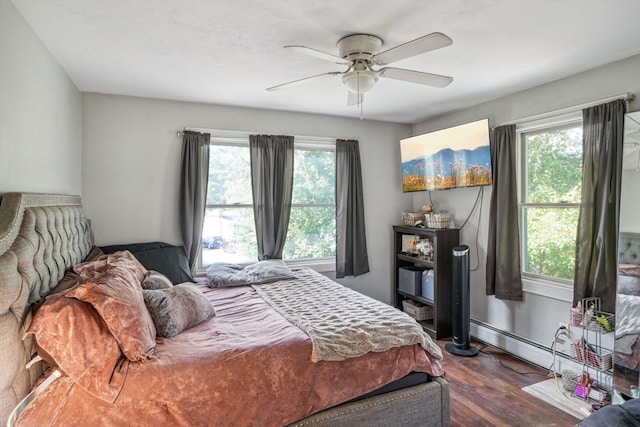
x: 351, y: 242
x: 503, y: 250
x: 597, y: 236
x: 194, y: 176
x: 272, y: 186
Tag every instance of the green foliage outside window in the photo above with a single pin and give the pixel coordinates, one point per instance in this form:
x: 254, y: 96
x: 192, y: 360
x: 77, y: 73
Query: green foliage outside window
x: 550, y: 202
x: 312, y: 229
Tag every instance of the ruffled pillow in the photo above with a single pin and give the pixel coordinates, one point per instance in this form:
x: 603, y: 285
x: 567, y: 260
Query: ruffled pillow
x: 115, y: 291
x: 71, y: 335
x: 178, y: 308
x: 123, y: 260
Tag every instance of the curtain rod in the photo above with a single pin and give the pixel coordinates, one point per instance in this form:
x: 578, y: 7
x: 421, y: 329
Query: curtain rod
x: 240, y: 134
x: 627, y: 97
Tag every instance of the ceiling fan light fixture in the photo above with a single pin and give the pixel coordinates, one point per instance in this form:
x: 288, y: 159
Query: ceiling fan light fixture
x: 360, y: 81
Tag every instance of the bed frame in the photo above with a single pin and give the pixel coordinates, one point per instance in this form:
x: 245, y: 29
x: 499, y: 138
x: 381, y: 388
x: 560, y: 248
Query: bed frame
x: 42, y: 235
x: 629, y: 248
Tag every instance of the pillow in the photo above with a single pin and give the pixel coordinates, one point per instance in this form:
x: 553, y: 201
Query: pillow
x: 123, y: 260
x: 115, y: 292
x: 177, y: 308
x: 159, y: 256
x: 71, y: 335
x: 267, y: 271
x: 94, y: 254
x: 154, y: 280
x: 629, y: 270
x: 170, y: 261
x: 224, y: 275
x: 69, y: 280
x: 134, y: 247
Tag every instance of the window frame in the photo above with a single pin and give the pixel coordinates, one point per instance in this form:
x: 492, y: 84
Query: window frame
x: 241, y: 139
x: 561, y: 289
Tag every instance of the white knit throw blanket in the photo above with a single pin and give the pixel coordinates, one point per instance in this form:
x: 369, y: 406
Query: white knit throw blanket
x: 342, y: 323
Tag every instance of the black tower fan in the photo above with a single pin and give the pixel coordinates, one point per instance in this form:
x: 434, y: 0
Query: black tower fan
x: 461, y: 341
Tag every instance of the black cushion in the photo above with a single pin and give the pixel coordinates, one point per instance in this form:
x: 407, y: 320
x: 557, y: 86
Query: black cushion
x: 159, y: 256
x: 134, y: 247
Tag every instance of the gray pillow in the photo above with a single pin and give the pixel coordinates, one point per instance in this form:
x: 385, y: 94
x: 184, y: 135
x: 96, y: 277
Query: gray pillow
x: 267, y: 271
x: 224, y: 275
x: 221, y: 275
x: 178, y: 308
x: 155, y: 280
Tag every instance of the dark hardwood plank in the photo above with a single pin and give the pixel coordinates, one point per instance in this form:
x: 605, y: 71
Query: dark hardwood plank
x: 486, y: 390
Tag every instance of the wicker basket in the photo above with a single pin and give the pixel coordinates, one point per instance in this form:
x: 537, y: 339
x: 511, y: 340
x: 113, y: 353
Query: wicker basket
x: 440, y: 220
x: 417, y: 310
x: 410, y: 218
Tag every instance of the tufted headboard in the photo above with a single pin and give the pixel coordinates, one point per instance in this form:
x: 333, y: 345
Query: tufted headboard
x: 629, y: 248
x: 41, y: 235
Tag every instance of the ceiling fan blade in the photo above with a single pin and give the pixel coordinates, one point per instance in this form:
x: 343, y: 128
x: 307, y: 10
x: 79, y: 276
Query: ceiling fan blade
x: 318, y: 54
x: 295, y: 82
x: 419, y: 77
x: 418, y: 46
x: 354, y: 98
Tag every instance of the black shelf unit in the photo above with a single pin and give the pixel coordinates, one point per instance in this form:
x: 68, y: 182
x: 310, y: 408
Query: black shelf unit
x: 443, y: 240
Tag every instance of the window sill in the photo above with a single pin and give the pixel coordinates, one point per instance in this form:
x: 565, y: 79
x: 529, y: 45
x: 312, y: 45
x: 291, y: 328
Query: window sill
x: 547, y: 288
x: 320, y: 265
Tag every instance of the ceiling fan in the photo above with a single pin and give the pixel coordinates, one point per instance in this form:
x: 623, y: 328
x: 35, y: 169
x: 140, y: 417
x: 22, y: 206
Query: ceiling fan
x: 361, y: 53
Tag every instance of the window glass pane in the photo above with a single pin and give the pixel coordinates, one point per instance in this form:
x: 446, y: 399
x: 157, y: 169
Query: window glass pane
x: 228, y: 235
x: 554, y: 165
x: 229, y: 228
x: 314, y: 177
x: 229, y: 175
x: 311, y: 233
x: 550, y: 241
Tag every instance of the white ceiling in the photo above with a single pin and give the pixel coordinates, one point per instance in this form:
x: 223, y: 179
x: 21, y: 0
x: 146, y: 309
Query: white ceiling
x: 229, y: 51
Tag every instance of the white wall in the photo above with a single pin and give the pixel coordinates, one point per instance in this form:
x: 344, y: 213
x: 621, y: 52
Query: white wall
x: 131, y: 157
x: 537, y: 317
x: 40, y: 113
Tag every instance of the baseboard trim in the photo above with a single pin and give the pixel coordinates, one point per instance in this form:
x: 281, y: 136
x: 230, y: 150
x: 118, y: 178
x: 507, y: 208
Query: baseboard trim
x: 521, y: 347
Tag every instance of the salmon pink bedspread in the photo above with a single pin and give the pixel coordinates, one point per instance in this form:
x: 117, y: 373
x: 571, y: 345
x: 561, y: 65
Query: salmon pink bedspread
x: 247, y: 366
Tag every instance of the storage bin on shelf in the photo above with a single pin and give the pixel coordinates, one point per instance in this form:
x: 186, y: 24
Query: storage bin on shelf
x: 602, y: 362
x: 440, y: 220
x: 410, y: 218
x: 417, y: 310
x: 589, y: 316
x: 592, y: 356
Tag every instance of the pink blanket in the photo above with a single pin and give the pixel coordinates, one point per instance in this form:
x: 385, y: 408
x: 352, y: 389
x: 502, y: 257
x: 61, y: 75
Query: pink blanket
x: 246, y: 366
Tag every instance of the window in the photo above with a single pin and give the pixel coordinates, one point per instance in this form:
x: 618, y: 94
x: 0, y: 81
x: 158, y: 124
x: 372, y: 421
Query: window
x: 312, y: 225
x: 228, y: 233
x: 550, y: 174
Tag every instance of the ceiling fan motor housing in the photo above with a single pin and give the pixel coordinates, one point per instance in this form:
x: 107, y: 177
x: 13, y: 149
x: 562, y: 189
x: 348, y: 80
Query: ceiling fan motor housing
x: 359, y: 47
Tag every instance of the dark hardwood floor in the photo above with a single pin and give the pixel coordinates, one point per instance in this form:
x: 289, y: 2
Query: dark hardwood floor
x: 486, y: 391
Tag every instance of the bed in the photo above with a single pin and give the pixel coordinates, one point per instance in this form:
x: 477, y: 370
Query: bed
x: 627, y: 343
x: 246, y: 363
